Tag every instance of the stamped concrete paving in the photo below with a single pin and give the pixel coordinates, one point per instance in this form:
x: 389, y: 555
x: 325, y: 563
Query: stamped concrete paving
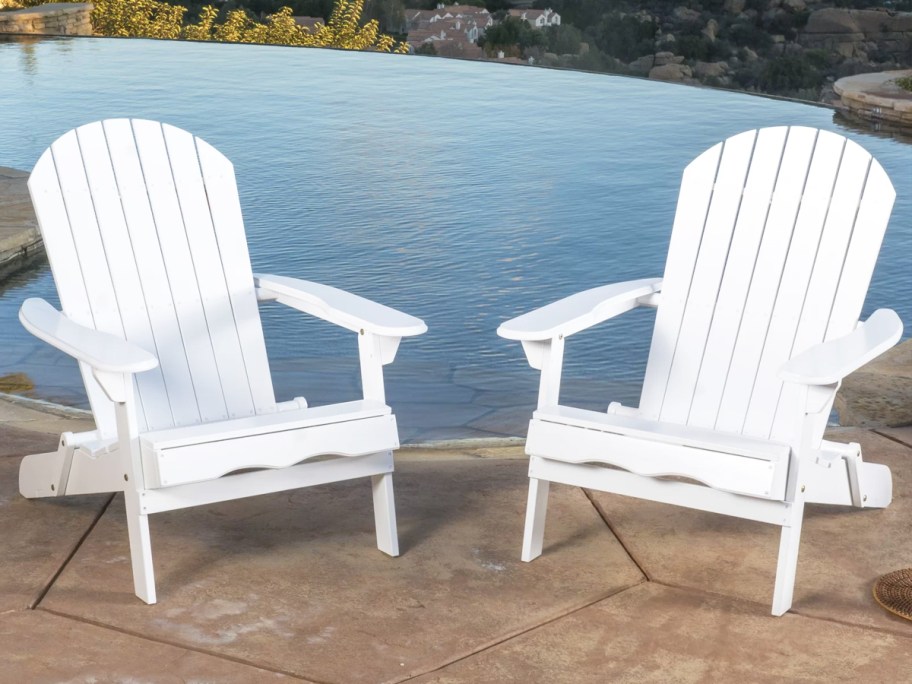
x: 294, y: 581
x: 654, y: 633
x: 291, y: 584
x: 843, y: 550
x: 37, y: 646
x: 36, y: 541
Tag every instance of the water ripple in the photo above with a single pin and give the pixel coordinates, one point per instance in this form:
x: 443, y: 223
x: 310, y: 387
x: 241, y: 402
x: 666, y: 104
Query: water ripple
x: 464, y: 193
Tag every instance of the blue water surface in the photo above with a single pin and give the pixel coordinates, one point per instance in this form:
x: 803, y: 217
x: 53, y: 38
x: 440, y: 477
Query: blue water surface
x: 461, y: 192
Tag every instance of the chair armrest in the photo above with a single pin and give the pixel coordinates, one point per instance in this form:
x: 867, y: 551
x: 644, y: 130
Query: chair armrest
x: 100, y: 350
x: 337, y: 306
x: 579, y: 311
x: 829, y: 362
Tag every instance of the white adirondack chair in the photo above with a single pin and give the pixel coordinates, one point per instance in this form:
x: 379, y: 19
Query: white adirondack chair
x: 143, y: 229
x: 774, y: 242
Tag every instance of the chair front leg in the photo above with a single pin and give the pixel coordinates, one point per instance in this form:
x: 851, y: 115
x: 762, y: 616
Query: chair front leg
x: 374, y: 352
x: 134, y: 484
x: 817, y: 399
x: 548, y: 357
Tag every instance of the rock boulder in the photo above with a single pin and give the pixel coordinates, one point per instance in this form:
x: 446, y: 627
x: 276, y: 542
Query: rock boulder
x: 671, y: 72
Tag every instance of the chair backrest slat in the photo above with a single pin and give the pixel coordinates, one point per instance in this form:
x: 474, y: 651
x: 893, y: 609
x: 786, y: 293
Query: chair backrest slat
x: 793, y: 286
x: 124, y: 273
x: 703, y: 289
x: 225, y: 205
x: 209, y: 274
x: 180, y: 271
x: 690, y: 217
x: 138, y: 256
x: 776, y: 233
x: 736, y: 280
x: 178, y: 401
x: 784, y: 259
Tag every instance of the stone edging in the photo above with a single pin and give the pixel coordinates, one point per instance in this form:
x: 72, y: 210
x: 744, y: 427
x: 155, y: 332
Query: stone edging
x: 55, y: 19
x: 875, y: 97
x: 45, y: 406
x: 20, y: 240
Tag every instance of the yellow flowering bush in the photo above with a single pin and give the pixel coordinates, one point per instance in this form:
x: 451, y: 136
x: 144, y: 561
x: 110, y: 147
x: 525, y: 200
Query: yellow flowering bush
x: 137, y: 18
x: 343, y: 30
x: 153, y: 19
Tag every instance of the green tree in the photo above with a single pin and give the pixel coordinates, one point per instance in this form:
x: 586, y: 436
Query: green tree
x: 625, y: 37
x: 390, y: 14
x: 564, y: 39
x: 788, y: 74
x: 512, y: 32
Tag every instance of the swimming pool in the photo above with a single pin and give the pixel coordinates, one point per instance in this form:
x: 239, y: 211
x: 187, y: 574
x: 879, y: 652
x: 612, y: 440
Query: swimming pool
x: 460, y: 192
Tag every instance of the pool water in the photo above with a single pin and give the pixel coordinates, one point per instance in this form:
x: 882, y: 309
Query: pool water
x: 460, y: 192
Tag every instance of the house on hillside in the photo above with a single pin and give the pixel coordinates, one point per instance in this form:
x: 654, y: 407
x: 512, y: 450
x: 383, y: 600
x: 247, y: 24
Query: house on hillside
x: 448, y: 41
x: 537, y: 18
x: 479, y: 16
x: 453, y: 30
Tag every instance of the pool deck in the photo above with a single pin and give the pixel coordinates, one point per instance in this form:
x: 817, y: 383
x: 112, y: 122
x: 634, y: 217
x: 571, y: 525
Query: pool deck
x: 291, y: 586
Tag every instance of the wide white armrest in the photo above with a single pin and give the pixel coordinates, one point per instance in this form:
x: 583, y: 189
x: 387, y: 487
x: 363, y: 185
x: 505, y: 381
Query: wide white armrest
x: 579, y: 311
x: 100, y: 350
x: 337, y: 306
x: 829, y: 362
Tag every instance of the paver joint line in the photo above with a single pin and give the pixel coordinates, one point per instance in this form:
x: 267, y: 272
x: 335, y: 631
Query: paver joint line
x: 844, y: 623
x: 891, y: 438
x: 66, y: 561
x: 604, y: 517
x: 515, y: 635
x: 185, y: 647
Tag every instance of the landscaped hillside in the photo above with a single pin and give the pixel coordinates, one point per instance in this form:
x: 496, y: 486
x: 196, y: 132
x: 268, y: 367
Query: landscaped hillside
x: 795, y: 48
x: 789, y: 47
x: 786, y: 47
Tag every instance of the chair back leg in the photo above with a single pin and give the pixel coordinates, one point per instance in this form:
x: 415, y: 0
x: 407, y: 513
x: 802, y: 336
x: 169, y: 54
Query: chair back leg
x: 536, y: 511
x: 385, y: 514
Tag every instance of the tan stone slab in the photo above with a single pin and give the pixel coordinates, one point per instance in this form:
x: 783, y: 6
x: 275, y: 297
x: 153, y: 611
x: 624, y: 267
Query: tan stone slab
x: 843, y: 550
x: 39, y: 416
x: 294, y: 581
x: 16, y: 212
x: 459, y: 450
x: 20, y: 240
x: 880, y: 393
x: 38, y: 534
x: 38, y: 647
x: 652, y: 633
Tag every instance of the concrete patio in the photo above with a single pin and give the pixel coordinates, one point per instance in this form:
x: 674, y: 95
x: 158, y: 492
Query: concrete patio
x: 291, y: 585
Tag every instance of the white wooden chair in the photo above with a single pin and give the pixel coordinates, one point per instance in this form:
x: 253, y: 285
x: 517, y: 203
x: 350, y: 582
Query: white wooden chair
x: 773, y: 245
x: 143, y: 229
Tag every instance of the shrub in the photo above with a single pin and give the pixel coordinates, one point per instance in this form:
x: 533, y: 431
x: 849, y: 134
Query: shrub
x: 789, y: 74
x: 153, y: 19
x: 745, y: 34
x: 625, y: 38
